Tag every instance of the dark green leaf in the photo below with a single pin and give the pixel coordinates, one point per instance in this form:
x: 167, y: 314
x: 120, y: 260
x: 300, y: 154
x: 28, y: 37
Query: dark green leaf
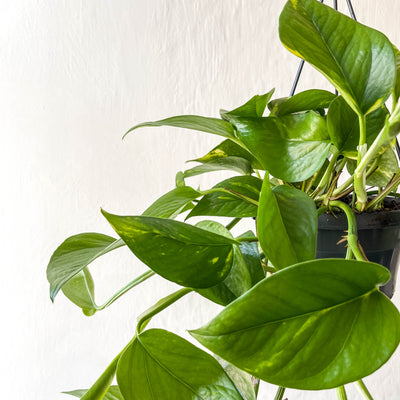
x: 357, y: 60
x: 255, y: 107
x: 238, y: 280
x: 74, y: 254
x: 313, y: 99
x: 292, y: 147
x: 252, y: 259
x: 343, y: 126
x: 195, y: 122
x: 224, y: 204
x: 227, y: 148
x: 171, y: 204
x: 162, y: 365
x: 80, y: 290
x: 177, y: 251
x: 286, y: 225
x: 316, y: 325
x: 236, y: 164
x: 113, y: 393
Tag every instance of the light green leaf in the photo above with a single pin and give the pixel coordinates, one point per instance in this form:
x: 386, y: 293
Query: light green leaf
x: 238, y: 281
x: 286, y: 225
x: 396, y: 90
x: 74, y: 254
x: 171, y: 204
x: 313, y: 99
x: 292, y: 147
x: 113, y: 393
x: 195, y: 122
x: 237, y: 164
x: 80, y: 290
x: 177, y: 251
x: 162, y: 365
x: 358, y: 60
x: 227, y: 148
x: 224, y: 204
x: 316, y: 325
x: 343, y: 126
x: 255, y: 107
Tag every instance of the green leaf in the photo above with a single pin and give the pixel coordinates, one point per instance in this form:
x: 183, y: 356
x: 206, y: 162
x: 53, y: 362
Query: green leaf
x: 224, y: 204
x: 316, y: 325
x: 195, y: 122
x: 358, y: 60
x: 80, y: 290
x: 227, y: 148
x: 237, y: 164
x: 343, y: 126
x: 113, y: 393
x: 162, y: 365
x: 74, y: 254
x: 286, y: 225
x: 396, y: 90
x: 177, y: 251
x: 238, y: 280
x: 171, y: 204
x: 292, y: 147
x: 255, y: 107
x: 314, y: 99
x: 251, y: 258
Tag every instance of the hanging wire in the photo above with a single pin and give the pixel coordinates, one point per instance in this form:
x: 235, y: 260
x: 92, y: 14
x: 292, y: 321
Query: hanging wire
x: 351, y: 10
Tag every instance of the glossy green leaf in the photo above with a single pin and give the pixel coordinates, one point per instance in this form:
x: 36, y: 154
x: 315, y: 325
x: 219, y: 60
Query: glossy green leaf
x: 255, y: 107
x: 396, y: 90
x: 194, y: 122
x: 292, y: 147
x: 80, y: 290
x: 313, y: 99
x: 74, y: 254
x: 357, y: 60
x: 162, y: 365
x: 316, y: 325
x: 251, y: 258
x: 171, y: 204
x: 286, y: 225
x: 237, y: 164
x: 235, y: 205
x: 343, y: 126
x: 386, y: 168
x: 239, y: 279
x: 113, y: 393
x: 179, y: 252
x: 227, y: 148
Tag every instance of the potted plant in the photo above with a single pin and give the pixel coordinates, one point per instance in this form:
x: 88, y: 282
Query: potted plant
x: 289, y: 318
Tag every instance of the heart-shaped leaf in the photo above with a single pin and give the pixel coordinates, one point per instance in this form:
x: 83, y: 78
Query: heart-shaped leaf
x: 194, y: 122
x: 161, y: 365
x: 292, y: 147
x: 232, y: 204
x: 313, y: 99
x: 239, y: 279
x: 171, y: 204
x: 255, y: 107
x: 231, y: 163
x: 179, y: 252
x: 344, y: 129
x: 113, y: 393
x: 76, y: 253
x: 287, y: 225
x: 316, y: 325
x: 359, y: 61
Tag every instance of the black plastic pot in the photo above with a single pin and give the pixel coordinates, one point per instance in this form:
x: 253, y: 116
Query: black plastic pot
x: 378, y: 233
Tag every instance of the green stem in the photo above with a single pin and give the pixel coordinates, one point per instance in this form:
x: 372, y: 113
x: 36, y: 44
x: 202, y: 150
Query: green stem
x: 360, y: 177
x: 352, y: 236
x: 327, y: 175
x: 280, y: 393
x: 160, y: 306
x: 341, y: 393
x: 363, y: 390
x: 126, y: 288
x: 233, y: 223
x: 247, y: 239
x: 394, y: 182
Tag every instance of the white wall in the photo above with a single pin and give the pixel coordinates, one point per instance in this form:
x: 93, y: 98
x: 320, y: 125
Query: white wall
x: 75, y: 75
